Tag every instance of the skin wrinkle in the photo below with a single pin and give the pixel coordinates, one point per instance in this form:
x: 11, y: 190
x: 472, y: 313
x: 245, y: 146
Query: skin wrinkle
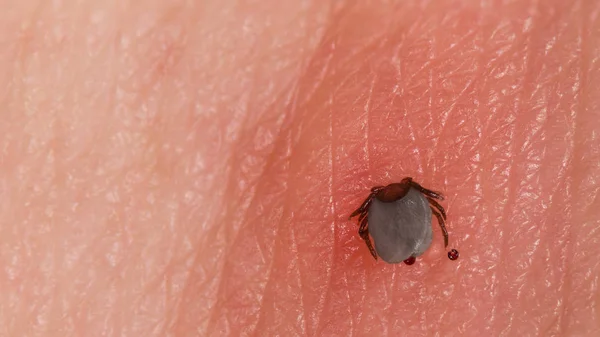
x: 225, y: 273
x: 242, y: 203
x: 184, y: 305
x: 577, y: 156
x: 142, y: 298
x: 305, y: 284
x: 521, y: 144
x: 236, y: 239
x: 511, y: 190
x: 367, y: 126
x: 294, y: 240
x: 564, y: 263
x: 433, y: 93
x: 260, y: 322
x: 557, y: 326
x: 325, y: 299
x: 334, y: 251
x: 301, y: 283
x: 233, y: 206
x: 494, y: 277
x: 306, y: 91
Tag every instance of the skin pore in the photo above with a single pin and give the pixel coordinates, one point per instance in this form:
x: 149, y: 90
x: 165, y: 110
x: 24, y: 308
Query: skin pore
x: 177, y: 168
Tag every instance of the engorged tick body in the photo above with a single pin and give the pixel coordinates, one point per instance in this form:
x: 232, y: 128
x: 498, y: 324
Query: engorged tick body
x: 401, y: 228
x: 398, y: 217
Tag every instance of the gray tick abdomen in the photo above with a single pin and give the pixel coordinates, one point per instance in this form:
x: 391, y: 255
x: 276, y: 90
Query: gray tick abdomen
x: 401, y: 228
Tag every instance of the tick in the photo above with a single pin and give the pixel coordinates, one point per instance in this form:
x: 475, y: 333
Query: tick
x: 398, y: 217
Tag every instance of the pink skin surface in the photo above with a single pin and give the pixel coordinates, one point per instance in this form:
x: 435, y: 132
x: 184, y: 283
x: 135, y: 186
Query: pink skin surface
x: 176, y: 168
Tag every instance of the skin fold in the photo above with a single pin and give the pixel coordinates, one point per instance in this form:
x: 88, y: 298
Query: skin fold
x: 181, y: 168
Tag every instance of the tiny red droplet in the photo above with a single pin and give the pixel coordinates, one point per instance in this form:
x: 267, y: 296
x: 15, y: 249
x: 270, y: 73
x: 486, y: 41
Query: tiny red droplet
x: 453, y: 254
x: 410, y: 260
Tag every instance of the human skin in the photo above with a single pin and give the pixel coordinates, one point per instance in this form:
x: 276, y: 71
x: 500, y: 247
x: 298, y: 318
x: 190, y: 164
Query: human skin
x: 171, y: 168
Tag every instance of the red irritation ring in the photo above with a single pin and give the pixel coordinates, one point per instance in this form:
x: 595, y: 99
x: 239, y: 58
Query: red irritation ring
x: 453, y: 254
x: 410, y: 260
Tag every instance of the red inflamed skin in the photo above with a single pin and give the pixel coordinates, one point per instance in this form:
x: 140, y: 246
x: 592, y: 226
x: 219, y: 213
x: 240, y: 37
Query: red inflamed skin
x: 187, y: 168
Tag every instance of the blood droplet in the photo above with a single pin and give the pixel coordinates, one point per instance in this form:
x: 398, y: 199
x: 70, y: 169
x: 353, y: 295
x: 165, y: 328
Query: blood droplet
x: 410, y: 260
x: 452, y: 254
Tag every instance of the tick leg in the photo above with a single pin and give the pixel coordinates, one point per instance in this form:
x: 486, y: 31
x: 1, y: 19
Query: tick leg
x: 362, y: 207
x: 442, y: 225
x: 377, y: 188
x: 363, y: 231
x: 362, y: 216
x: 366, y: 203
x: 438, y: 206
x: 429, y: 193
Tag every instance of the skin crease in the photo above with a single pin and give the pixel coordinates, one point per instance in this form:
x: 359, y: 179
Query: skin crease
x: 187, y: 168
